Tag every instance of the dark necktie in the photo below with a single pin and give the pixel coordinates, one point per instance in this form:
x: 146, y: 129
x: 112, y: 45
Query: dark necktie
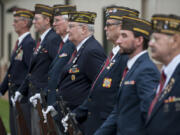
x: 37, y: 46
x: 72, y: 56
x: 124, y: 73
x: 162, y: 81
x: 16, y: 46
x: 60, y: 46
x: 111, y: 55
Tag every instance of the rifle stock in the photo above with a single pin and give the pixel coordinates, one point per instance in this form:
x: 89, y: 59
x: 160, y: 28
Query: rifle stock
x: 73, y: 128
x: 50, y: 120
x: 43, y: 126
x: 22, y: 129
x: 2, y: 128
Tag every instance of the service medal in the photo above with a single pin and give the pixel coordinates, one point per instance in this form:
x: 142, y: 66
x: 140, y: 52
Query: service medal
x: 73, y: 77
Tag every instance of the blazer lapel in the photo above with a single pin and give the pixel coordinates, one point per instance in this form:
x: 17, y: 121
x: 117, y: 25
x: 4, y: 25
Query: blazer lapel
x: 68, y: 66
x: 110, y: 65
x: 133, y: 68
x: 14, y: 54
x: 167, y: 90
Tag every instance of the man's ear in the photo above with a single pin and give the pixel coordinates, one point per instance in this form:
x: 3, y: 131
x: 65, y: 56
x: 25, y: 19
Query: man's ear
x: 175, y: 40
x: 47, y: 19
x: 139, y: 40
x: 26, y: 22
x: 176, y: 37
x: 84, y: 28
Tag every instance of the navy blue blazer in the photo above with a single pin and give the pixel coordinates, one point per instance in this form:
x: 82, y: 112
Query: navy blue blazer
x: 135, y: 95
x: 165, y: 116
x: 38, y: 71
x: 20, y: 62
x: 102, y: 97
x: 79, y: 74
x: 56, y: 69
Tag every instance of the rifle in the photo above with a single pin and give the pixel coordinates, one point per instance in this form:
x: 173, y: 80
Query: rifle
x: 2, y: 128
x: 43, y: 126
x: 22, y: 129
x: 73, y: 128
x: 22, y: 125
x: 50, y: 120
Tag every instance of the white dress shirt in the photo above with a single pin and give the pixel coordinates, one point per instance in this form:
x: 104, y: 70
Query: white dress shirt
x: 169, y: 69
x: 82, y: 42
x: 131, y: 61
x: 115, y: 50
x: 44, y: 34
x: 20, y: 39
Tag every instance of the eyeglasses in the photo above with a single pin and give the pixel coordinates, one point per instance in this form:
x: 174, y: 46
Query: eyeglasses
x: 110, y: 24
x: 36, y: 18
x: 17, y: 20
x: 58, y: 20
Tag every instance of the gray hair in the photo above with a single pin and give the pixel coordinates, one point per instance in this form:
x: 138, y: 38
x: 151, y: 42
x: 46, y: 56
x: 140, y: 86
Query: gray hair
x: 118, y: 21
x: 89, y: 26
x: 65, y: 17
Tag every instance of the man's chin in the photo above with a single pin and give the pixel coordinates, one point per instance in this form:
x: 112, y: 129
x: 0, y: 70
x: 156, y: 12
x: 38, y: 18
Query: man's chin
x: 124, y: 53
x: 57, y: 32
x: 154, y: 56
x: 121, y: 51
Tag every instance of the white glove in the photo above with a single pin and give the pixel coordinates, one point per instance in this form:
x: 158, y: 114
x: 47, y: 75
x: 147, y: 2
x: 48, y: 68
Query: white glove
x: 34, y: 98
x: 64, y: 122
x: 51, y: 110
x: 18, y: 96
x: 13, y: 102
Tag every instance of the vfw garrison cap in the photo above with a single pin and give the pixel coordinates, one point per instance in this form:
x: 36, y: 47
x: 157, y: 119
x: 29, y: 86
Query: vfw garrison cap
x: 44, y: 10
x: 82, y: 17
x: 116, y: 12
x: 24, y: 13
x: 167, y: 24
x: 63, y: 9
x: 137, y: 25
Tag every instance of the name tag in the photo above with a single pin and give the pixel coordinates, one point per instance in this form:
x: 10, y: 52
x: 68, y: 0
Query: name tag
x: 62, y: 55
x: 73, y: 70
x: 129, y: 82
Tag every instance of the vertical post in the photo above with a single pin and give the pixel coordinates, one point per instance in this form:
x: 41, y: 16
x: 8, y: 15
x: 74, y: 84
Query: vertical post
x: 105, y: 42
x: 2, y: 29
x: 9, y: 45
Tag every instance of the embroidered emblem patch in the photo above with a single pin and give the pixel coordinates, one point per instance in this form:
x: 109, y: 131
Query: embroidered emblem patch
x: 107, y: 82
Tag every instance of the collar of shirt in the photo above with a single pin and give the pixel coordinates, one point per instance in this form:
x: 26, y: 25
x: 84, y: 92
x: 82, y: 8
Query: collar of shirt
x: 44, y: 34
x: 133, y: 60
x: 82, y: 42
x: 65, y: 38
x: 22, y: 37
x: 170, y: 68
x: 115, y: 50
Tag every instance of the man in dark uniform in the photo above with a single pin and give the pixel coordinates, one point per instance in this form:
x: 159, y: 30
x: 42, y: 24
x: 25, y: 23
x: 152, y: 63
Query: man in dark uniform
x: 140, y: 78
x: 164, y: 111
x: 20, y: 62
x: 44, y: 53
x: 83, y: 66
x: 66, y: 48
x: 96, y: 108
x: 78, y: 74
